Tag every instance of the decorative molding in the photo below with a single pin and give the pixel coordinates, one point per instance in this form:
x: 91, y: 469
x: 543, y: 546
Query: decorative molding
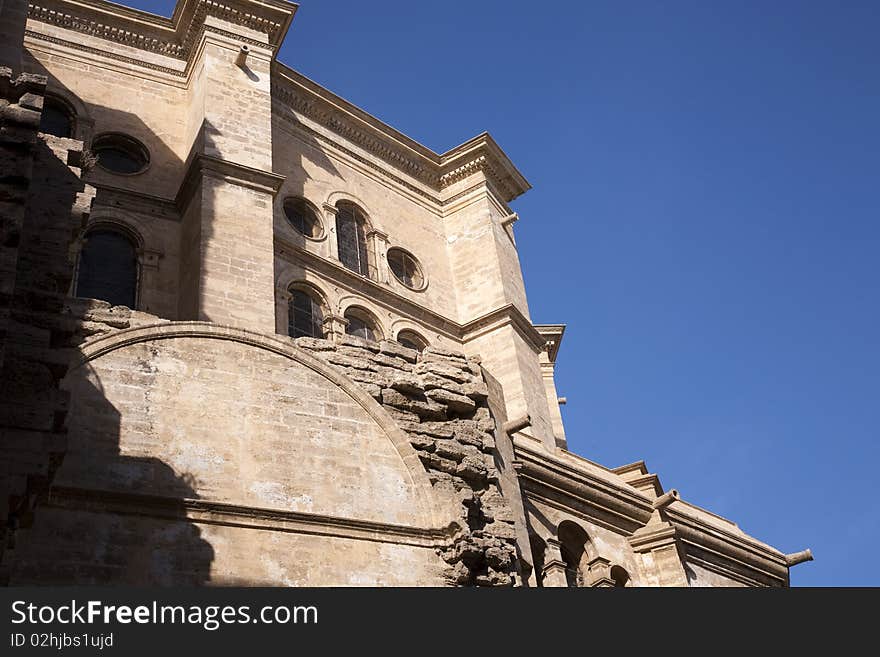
x: 179, y: 37
x: 86, y: 25
x: 618, y: 508
x: 437, y: 171
x: 176, y: 37
x: 653, y: 537
x: 292, y: 120
x: 103, y: 53
x: 552, y: 335
x: 507, y: 314
x: 232, y: 172
x: 234, y: 515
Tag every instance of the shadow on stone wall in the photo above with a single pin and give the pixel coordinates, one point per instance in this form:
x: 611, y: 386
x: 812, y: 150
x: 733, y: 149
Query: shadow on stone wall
x: 112, y: 519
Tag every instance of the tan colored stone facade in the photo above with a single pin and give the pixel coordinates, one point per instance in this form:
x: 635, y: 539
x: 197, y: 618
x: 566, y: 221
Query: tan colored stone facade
x: 205, y: 445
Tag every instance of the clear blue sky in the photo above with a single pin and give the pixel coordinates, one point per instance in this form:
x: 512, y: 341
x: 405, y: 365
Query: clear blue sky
x: 705, y: 218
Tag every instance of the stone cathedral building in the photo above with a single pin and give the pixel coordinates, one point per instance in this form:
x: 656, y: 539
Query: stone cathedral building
x: 251, y: 335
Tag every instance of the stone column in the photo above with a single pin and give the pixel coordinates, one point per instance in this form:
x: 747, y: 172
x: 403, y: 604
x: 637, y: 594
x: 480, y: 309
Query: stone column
x: 658, y: 545
x: 334, y: 327
x: 282, y: 311
x: 599, y: 573
x: 554, y: 566
x: 377, y: 245
x: 330, y: 212
x: 549, y: 377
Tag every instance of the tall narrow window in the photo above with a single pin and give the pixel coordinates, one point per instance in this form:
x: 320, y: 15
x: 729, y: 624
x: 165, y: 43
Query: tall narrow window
x: 573, y: 541
x: 362, y: 325
x: 619, y: 576
x: 108, y: 268
x: 56, y: 119
x: 305, y: 317
x: 351, y: 236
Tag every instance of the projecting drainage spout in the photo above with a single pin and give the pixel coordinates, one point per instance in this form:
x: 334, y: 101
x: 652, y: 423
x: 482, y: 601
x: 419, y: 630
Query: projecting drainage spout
x: 666, y: 499
x: 243, y: 53
x: 518, y: 424
x: 795, y: 558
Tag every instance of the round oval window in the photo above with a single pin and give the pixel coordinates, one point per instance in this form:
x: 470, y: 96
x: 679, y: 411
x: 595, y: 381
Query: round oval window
x: 406, y: 268
x: 120, y: 154
x: 302, y: 217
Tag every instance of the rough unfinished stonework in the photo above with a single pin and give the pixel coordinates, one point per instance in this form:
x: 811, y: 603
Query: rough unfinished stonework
x: 43, y: 207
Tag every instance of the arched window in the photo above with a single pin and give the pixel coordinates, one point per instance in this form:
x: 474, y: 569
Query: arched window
x: 573, y: 541
x: 56, y: 118
x: 304, y: 316
x: 412, y: 340
x: 406, y: 268
x: 619, y: 576
x: 301, y: 216
x: 362, y: 324
x: 108, y: 268
x: 351, y: 237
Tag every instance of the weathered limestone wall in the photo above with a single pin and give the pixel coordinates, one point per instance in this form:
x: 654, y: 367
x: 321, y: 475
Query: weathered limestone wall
x: 325, y: 175
x: 179, y: 425
x: 186, y: 429
x: 227, y: 255
x: 110, y: 97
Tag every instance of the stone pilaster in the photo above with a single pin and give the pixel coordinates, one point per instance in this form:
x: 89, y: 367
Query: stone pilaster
x: 554, y: 566
x: 226, y: 199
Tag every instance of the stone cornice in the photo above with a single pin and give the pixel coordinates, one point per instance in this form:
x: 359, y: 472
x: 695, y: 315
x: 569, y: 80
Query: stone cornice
x: 740, y: 551
x: 581, y: 487
x: 174, y: 37
x: 711, y: 541
x: 507, y: 314
x: 239, y: 174
x: 483, y: 154
x: 437, y: 171
x: 178, y: 38
x: 552, y: 335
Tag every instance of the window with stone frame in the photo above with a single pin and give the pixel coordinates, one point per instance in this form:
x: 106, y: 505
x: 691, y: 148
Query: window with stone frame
x: 302, y: 217
x: 412, y: 340
x: 406, y: 268
x: 351, y: 238
x: 108, y: 268
x: 362, y: 325
x: 305, y: 318
x: 120, y: 154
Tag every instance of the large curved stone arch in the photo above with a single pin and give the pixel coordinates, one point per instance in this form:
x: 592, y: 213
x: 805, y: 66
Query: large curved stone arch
x: 437, y: 513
